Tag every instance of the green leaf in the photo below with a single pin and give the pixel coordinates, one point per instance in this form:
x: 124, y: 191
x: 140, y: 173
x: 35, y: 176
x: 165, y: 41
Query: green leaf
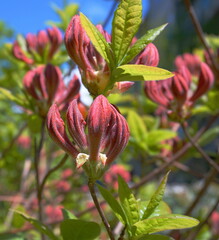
x: 132, y: 72
x: 6, y: 94
x: 126, y: 21
x: 155, y: 237
x: 128, y: 202
x: 38, y: 225
x: 156, y: 198
x: 34, y: 123
x: 137, y: 128
x: 113, y: 203
x: 162, y: 223
x: 141, y: 43
x: 161, y: 209
x: 9, y: 236
x: 96, y: 38
x: 157, y: 136
x: 73, y: 229
x: 67, y: 215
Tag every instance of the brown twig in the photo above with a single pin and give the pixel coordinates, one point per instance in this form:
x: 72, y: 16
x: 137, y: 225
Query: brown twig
x: 111, y: 11
x: 38, y: 148
x: 98, y: 207
x: 199, y: 149
x: 200, y: 32
x: 52, y: 170
x: 195, y: 232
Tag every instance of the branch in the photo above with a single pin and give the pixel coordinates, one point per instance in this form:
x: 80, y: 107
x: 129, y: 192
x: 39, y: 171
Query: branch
x: 98, y: 207
x: 199, y: 149
x: 200, y: 33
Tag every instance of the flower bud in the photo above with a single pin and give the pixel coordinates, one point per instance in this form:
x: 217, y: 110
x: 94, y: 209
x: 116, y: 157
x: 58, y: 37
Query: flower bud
x: 191, y: 61
x: 149, y: 56
x: 52, y: 81
x: 56, y: 129
x: 19, y: 54
x: 180, y: 89
x: 205, y: 81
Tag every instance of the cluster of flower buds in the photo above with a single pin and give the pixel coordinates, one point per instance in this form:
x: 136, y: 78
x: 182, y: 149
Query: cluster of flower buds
x: 45, y: 84
x: 94, y: 70
x: 175, y: 94
x: 44, y: 44
x: 104, y: 139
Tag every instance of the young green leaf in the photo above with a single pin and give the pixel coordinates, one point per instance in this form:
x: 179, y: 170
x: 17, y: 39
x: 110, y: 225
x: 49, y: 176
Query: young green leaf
x: 156, y: 198
x: 38, y: 225
x: 68, y: 215
x: 10, y: 236
x: 137, y: 128
x: 128, y: 202
x: 73, y: 229
x: 141, y: 43
x: 158, y: 135
x: 131, y: 72
x: 161, y: 209
x: 113, y: 203
x: 96, y: 38
x: 6, y: 94
x: 126, y: 21
x: 162, y: 223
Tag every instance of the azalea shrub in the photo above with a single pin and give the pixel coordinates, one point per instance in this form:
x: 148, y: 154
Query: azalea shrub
x: 96, y: 165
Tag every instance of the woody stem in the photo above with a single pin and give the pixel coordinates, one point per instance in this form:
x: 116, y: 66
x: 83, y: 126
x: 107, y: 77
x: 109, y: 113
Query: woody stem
x: 91, y: 186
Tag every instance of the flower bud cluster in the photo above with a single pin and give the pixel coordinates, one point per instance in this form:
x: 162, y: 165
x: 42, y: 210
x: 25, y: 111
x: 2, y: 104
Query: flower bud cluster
x: 98, y: 139
x: 176, y: 94
x: 44, y: 44
x: 94, y: 70
x: 45, y: 85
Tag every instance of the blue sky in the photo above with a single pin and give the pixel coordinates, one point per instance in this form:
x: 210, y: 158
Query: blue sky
x: 31, y: 15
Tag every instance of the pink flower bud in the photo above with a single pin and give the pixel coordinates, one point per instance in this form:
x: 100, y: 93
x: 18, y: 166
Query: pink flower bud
x: 55, y: 39
x: 42, y: 42
x: 149, y: 56
x: 34, y: 83
x: 159, y: 91
x: 76, y: 125
x: 52, y: 81
x: 205, y: 81
x: 121, y: 87
x: 19, y: 54
x: 180, y: 89
x: 99, y: 116
x: 191, y: 61
x: 56, y: 129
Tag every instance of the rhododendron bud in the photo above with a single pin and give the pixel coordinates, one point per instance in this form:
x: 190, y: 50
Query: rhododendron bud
x: 149, y: 56
x: 19, y: 54
x: 191, y: 61
x: 52, y: 81
x: 56, y: 129
x: 205, y: 81
x: 106, y: 136
x: 159, y: 91
x: 121, y: 87
x: 180, y: 87
x: 55, y: 38
x: 42, y: 41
